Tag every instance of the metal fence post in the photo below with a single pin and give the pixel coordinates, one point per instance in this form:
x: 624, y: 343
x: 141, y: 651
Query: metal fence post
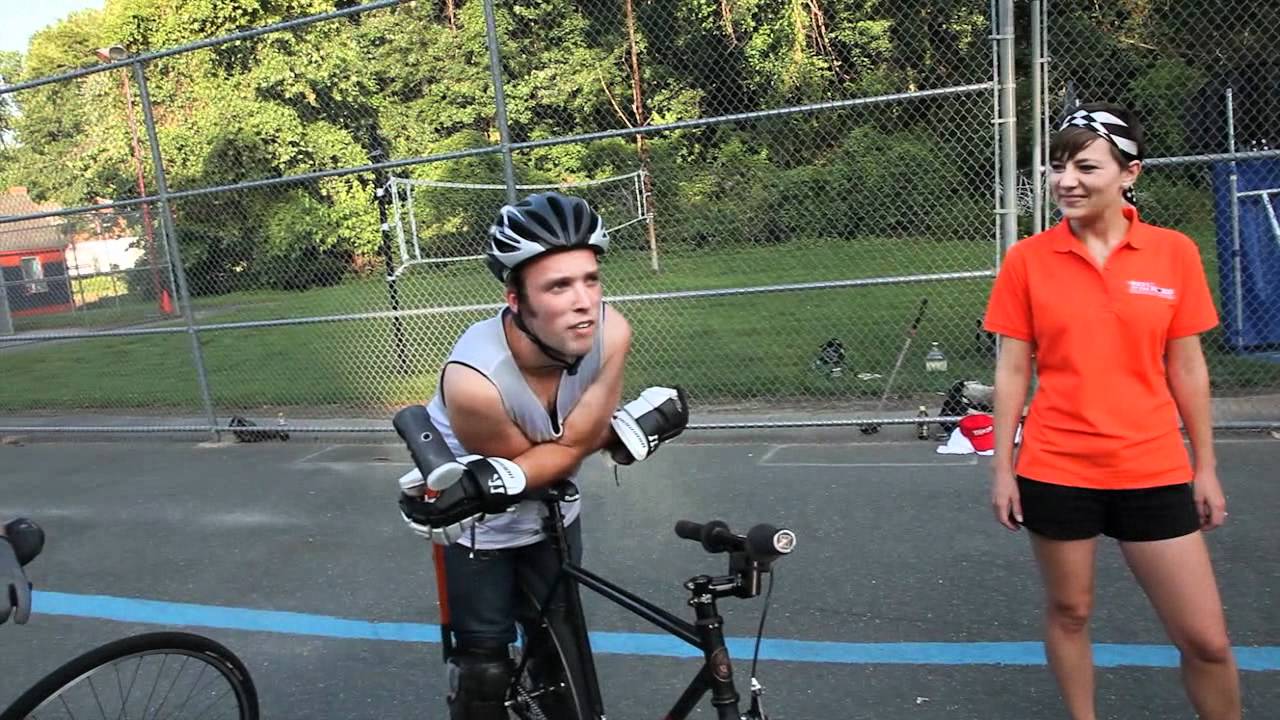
x: 175, y: 254
x: 1008, y: 129
x: 6, y: 320
x: 1037, y: 117
x: 1237, y: 284
x: 381, y: 189
x: 499, y: 99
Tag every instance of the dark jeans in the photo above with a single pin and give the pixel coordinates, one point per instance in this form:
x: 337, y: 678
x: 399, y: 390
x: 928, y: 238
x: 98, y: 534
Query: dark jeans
x: 490, y: 590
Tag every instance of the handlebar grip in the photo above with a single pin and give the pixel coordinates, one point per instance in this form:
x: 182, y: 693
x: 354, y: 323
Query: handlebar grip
x: 718, y: 538
x: 26, y: 537
x: 426, y: 445
x: 715, y: 536
x: 689, y: 530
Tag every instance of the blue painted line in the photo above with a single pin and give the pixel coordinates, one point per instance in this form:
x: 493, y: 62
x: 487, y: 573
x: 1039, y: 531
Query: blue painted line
x: 156, y: 612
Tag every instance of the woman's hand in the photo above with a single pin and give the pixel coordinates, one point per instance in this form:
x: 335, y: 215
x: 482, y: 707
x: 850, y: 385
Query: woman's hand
x: 1210, y: 502
x: 1004, y: 499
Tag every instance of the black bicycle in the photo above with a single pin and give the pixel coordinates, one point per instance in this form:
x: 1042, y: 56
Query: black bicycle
x: 154, y: 675
x: 574, y: 692
x: 571, y: 690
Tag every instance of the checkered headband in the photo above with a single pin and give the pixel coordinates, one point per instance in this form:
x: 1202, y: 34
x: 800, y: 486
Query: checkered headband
x: 1111, y: 128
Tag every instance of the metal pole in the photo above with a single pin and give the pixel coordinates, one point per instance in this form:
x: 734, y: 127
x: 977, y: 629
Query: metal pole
x: 1046, y: 59
x: 175, y: 254
x: 153, y: 253
x: 1237, y: 285
x: 6, y: 320
x: 499, y: 100
x: 71, y: 289
x: 1271, y: 216
x: 1037, y: 114
x: 1008, y: 129
x: 393, y: 292
x: 995, y: 134
x: 413, y: 222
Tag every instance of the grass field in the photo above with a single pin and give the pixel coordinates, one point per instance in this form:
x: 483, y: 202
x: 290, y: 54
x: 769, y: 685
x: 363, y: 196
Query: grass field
x: 726, y: 350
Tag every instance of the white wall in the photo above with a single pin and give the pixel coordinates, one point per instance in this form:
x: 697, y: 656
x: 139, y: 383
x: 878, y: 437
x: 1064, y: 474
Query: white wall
x: 100, y: 256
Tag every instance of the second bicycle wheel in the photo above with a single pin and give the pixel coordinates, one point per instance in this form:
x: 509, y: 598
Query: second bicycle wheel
x: 164, y: 674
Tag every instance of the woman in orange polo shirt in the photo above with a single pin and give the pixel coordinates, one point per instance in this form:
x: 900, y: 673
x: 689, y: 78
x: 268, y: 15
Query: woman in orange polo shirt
x: 1111, y: 308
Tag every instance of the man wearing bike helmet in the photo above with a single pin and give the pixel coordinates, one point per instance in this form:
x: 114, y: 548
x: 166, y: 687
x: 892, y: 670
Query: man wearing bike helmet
x: 523, y: 398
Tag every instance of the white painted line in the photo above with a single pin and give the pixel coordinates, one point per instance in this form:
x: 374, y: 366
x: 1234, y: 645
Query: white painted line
x: 970, y: 463
x: 360, y: 463
x: 321, y: 451
x: 764, y: 460
x: 765, y: 457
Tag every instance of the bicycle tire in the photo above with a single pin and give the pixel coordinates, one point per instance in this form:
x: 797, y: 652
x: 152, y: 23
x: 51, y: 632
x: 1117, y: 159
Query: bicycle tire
x: 534, y: 702
x: 59, y: 692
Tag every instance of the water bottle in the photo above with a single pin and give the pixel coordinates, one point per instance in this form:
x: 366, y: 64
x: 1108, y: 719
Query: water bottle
x: 934, y: 360
x: 922, y: 428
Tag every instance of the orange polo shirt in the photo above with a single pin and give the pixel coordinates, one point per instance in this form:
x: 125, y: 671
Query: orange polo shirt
x: 1103, y: 415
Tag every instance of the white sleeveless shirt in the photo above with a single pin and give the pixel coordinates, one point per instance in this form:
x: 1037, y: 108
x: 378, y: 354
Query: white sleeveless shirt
x: 483, y: 348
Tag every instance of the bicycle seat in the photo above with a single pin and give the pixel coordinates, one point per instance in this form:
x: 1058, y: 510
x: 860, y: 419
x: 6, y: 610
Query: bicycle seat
x: 563, y: 491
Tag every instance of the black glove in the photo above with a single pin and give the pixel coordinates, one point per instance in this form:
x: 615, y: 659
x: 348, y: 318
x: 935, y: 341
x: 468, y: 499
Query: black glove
x: 641, y: 425
x: 486, y: 486
x: 14, y: 587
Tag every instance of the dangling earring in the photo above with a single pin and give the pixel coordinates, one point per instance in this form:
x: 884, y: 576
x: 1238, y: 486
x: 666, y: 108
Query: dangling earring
x: 1126, y: 191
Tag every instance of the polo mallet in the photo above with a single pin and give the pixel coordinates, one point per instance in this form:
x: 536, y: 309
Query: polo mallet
x: 442, y: 597
x: 873, y: 428
x: 429, y: 451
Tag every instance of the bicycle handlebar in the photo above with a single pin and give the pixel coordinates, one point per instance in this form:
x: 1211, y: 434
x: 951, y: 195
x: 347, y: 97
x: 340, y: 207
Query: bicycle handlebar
x: 762, y: 543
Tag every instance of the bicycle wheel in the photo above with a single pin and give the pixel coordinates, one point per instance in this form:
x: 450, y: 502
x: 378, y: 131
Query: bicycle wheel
x: 551, y: 687
x: 164, y: 674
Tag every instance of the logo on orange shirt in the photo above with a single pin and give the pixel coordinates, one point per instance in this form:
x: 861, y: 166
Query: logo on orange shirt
x: 1144, y: 287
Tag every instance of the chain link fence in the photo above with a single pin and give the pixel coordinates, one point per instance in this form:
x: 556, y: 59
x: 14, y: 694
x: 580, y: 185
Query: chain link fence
x: 1204, y: 78
x: 803, y: 200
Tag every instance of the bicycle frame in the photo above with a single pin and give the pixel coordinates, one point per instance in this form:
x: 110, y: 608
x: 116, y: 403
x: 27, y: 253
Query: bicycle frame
x: 707, y: 634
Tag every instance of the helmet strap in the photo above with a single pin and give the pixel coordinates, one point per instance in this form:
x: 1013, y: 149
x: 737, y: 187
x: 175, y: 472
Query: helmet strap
x: 570, y: 364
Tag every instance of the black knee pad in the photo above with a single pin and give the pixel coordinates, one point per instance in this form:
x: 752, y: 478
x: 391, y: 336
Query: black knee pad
x: 478, y: 682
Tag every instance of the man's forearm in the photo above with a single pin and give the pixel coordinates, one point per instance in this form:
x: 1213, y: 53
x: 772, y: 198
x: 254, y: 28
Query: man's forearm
x: 586, y: 430
x: 547, y: 463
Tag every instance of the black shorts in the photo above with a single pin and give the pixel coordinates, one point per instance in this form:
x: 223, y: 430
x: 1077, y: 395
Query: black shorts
x: 1062, y: 512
